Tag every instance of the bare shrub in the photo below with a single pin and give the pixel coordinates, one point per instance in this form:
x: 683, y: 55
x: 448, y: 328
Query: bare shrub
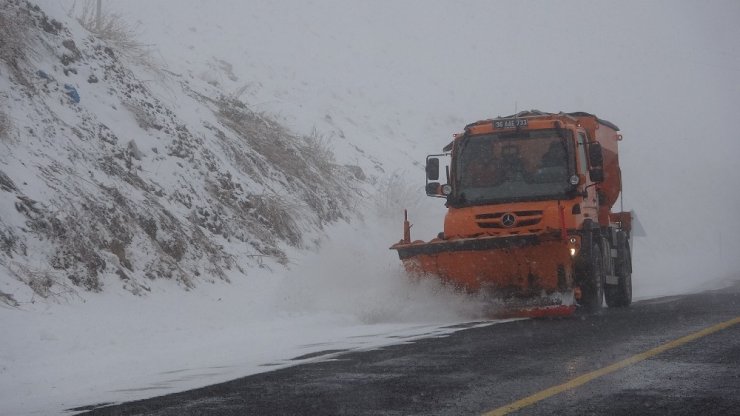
x: 79, y: 234
x: 15, y: 40
x: 318, y: 150
x: 80, y: 260
x: 117, y: 33
x: 13, y: 36
x: 396, y: 194
x: 45, y: 284
x: 41, y: 284
x: 304, y: 166
x: 283, y: 151
x: 278, y: 215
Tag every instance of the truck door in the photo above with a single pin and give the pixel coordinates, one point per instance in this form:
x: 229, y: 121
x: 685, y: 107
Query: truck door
x: 590, y: 204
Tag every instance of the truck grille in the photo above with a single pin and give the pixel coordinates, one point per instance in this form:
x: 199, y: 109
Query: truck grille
x: 523, y: 219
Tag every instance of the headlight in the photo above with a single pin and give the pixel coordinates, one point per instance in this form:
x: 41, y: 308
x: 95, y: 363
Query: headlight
x: 572, y: 251
x: 574, y: 180
x: 446, y: 189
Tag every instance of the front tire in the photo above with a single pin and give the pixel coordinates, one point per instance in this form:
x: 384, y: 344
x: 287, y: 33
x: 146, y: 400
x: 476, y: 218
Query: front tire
x: 592, y: 281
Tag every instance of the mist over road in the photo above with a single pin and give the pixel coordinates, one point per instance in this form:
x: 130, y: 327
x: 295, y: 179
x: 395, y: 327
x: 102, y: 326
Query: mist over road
x: 481, y: 369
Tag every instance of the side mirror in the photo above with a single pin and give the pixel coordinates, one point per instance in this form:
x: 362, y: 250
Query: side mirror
x: 596, y: 174
x: 433, y: 189
x: 595, y: 155
x: 432, y: 169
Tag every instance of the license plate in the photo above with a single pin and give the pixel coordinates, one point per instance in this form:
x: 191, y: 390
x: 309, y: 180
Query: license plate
x: 509, y: 124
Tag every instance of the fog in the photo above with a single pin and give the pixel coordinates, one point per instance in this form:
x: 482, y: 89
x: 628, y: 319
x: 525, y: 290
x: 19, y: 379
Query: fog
x: 400, y: 77
x: 384, y: 83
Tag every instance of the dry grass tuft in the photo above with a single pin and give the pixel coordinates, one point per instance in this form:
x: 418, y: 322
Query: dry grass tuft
x: 318, y: 150
x: 118, y: 34
x: 278, y: 215
x: 15, y: 40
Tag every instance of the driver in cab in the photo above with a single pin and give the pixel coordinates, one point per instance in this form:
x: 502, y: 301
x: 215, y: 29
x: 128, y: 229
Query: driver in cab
x: 480, y: 169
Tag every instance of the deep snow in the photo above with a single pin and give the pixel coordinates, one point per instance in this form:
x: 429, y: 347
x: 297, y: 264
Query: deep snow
x: 114, y: 347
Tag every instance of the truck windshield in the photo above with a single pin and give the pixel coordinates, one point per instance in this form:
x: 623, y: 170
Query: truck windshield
x: 511, y: 166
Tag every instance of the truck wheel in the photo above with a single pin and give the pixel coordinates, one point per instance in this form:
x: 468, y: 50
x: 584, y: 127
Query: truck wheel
x: 620, y: 295
x: 592, y: 281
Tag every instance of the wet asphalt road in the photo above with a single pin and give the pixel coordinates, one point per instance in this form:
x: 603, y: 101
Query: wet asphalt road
x: 480, y: 369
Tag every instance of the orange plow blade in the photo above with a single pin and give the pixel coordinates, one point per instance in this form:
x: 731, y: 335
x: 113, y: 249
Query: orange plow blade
x: 532, y: 276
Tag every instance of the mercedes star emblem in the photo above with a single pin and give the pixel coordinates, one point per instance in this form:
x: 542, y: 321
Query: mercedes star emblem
x: 508, y: 220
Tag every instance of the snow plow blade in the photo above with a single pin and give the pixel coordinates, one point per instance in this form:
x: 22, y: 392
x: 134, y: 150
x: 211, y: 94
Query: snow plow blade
x: 503, y: 268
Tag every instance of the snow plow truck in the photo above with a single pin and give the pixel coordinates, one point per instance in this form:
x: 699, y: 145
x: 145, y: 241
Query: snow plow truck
x: 529, y: 217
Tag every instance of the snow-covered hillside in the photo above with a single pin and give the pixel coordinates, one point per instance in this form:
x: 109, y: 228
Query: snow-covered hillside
x: 120, y: 172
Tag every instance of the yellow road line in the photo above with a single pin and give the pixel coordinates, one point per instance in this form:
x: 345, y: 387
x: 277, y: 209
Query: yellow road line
x: 580, y: 380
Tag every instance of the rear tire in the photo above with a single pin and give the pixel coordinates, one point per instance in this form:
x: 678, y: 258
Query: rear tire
x: 592, y: 281
x: 620, y: 295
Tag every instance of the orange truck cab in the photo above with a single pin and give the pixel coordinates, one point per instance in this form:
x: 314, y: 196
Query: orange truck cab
x: 529, y: 218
